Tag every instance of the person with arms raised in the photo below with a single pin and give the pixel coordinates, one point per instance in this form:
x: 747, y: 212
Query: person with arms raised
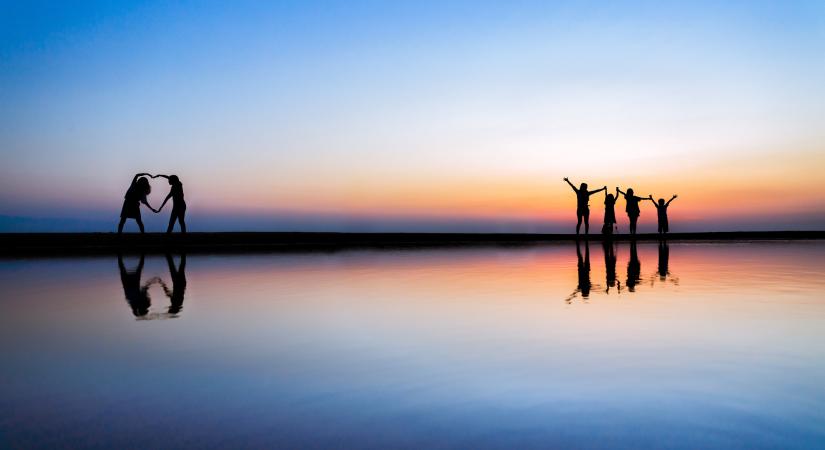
x: 583, y: 205
x: 661, y: 211
x: 631, y: 207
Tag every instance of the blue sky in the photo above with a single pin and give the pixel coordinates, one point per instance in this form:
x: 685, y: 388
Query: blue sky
x: 416, y: 115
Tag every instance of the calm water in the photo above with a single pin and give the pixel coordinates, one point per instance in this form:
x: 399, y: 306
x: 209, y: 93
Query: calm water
x: 686, y: 346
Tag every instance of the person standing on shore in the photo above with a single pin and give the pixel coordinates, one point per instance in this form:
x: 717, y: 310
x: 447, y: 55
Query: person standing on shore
x: 135, y: 195
x: 178, y: 203
x: 661, y: 212
x: 631, y: 207
x: 609, y: 212
x: 583, y: 205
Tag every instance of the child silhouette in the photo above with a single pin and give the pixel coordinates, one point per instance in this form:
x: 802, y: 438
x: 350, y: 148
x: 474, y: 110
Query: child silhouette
x: 661, y: 211
x: 609, y: 213
x: 582, y: 205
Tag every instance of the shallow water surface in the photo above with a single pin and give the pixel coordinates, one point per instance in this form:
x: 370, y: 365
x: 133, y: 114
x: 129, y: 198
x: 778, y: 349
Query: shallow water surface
x: 686, y: 345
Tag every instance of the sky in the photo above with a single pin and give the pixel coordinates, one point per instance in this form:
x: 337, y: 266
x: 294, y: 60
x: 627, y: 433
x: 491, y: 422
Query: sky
x: 412, y: 116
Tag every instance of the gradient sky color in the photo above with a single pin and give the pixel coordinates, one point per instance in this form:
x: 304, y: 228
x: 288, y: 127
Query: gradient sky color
x: 412, y: 115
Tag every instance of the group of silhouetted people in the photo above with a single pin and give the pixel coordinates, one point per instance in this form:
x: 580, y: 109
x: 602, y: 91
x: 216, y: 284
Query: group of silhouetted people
x: 140, y: 189
x: 632, y: 208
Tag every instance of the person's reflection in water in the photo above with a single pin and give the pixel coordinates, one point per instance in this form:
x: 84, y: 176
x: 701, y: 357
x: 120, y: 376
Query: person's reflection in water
x: 610, y: 265
x: 137, y: 295
x: 178, y: 290
x: 634, y: 268
x: 583, y: 267
x: 664, y: 260
x: 664, y: 256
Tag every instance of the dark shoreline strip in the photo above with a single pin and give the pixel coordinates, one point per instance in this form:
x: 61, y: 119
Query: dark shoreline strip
x: 23, y: 244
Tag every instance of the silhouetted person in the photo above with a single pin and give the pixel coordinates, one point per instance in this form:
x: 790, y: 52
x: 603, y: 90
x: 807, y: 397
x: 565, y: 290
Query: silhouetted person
x: 135, y: 195
x: 178, y: 290
x: 582, y: 205
x: 609, y: 264
x: 661, y: 211
x: 634, y: 268
x: 609, y: 212
x: 631, y: 207
x: 178, y: 204
x: 664, y: 257
x: 137, y: 295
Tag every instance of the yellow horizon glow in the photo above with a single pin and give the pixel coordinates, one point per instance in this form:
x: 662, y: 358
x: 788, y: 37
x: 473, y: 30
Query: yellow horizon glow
x: 723, y: 189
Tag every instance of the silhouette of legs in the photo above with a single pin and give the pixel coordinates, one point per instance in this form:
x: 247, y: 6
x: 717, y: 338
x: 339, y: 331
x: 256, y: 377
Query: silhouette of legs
x: 172, y: 220
x: 179, y: 217
x: 123, y: 222
x: 583, y: 216
x: 633, y: 220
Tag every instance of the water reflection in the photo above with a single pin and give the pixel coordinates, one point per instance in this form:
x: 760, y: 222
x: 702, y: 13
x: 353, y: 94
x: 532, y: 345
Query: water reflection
x: 583, y: 269
x: 447, y: 348
x: 634, y: 278
x: 634, y: 268
x: 664, y: 259
x: 609, y: 249
x: 178, y: 275
x: 136, y: 292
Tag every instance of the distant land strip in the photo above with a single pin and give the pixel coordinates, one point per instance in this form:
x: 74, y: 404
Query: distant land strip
x: 23, y: 244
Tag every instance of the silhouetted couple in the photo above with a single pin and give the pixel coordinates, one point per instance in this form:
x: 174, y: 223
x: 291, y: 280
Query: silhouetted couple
x: 140, y: 189
x: 631, y: 207
x: 137, y: 293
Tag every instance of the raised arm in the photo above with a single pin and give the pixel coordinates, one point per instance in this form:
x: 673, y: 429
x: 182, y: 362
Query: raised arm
x: 571, y: 184
x: 138, y: 175
x: 597, y: 191
x: 620, y: 191
x: 650, y: 197
x: 671, y: 199
x: 161, y: 176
